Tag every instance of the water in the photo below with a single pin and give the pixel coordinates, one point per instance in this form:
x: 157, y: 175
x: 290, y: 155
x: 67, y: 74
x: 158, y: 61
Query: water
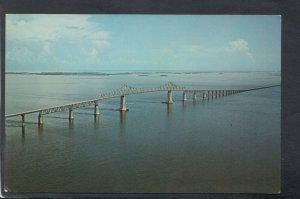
x: 228, y: 145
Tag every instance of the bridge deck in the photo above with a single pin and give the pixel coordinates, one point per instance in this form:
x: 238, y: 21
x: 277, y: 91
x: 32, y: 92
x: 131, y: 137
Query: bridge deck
x: 125, y: 90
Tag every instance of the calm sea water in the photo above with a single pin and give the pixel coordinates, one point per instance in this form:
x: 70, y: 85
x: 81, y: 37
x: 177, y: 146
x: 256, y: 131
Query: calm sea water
x: 226, y: 145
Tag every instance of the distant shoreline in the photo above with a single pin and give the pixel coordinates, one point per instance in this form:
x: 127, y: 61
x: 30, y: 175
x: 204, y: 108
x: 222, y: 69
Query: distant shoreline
x: 130, y: 73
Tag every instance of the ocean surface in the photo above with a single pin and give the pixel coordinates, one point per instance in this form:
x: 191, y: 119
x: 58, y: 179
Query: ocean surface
x: 226, y: 145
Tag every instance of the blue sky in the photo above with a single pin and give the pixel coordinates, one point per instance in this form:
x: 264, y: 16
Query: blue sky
x: 70, y: 43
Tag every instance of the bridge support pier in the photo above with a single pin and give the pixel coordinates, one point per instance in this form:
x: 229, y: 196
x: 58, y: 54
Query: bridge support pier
x: 96, y: 111
x: 184, y: 98
x: 71, y: 114
x: 40, y: 119
x: 170, y: 97
x: 203, y: 96
x: 194, y: 96
x: 123, y: 103
x: 23, y: 120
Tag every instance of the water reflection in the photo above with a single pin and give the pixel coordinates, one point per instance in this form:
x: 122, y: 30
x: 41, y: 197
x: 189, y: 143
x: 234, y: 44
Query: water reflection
x: 122, y: 119
x: 96, y: 121
x: 122, y: 132
x: 40, y: 129
x: 71, y: 123
x: 23, y: 135
x: 169, y: 109
x: 183, y: 105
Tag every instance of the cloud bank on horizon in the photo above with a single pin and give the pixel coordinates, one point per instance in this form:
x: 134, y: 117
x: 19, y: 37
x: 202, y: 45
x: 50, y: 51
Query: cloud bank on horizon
x: 69, y: 43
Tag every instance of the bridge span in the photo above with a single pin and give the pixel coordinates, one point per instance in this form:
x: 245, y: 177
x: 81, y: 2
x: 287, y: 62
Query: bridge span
x: 128, y: 90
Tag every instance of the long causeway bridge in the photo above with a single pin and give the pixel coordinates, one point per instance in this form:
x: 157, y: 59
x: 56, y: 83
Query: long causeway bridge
x: 125, y: 90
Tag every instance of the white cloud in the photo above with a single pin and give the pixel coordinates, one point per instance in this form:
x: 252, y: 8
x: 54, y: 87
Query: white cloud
x: 43, y: 36
x: 92, y: 57
x: 53, y: 27
x: 239, y: 45
x: 100, y: 38
x: 192, y: 48
x: 168, y: 50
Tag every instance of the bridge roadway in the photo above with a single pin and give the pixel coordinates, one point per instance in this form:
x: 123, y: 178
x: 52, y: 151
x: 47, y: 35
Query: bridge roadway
x: 127, y: 90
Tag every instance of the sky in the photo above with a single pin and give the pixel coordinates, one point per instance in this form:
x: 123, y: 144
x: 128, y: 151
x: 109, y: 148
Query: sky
x: 96, y: 43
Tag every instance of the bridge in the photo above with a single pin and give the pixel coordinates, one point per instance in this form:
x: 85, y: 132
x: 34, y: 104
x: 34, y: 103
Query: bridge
x: 125, y: 90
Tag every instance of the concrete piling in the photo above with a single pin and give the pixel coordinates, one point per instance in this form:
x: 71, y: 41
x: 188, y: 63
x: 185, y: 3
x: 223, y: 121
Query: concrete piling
x: 40, y: 118
x: 184, y: 98
x: 23, y: 120
x: 194, y: 96
x: 71, y: 113
x: 170, y: 97
x: 204, y: 96
x: 96, y: 109
x: 123, y: 103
